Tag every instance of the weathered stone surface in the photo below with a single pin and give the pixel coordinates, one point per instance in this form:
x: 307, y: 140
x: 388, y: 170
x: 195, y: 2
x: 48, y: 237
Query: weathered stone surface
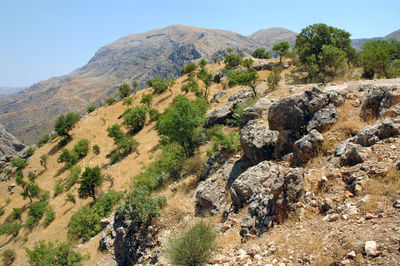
x: 307, y: 147
x: 210, y: 195
x: 256, y: 111
x: 217, y: 96
x: 271, y: 193
x: 323, y: 119
x: 219, y: 115
x: 258, y: 142
x: 370, y: 135
x: 349, y: 153
x: 378, y: 100
x: 9, y: 146
x: 371, y: 249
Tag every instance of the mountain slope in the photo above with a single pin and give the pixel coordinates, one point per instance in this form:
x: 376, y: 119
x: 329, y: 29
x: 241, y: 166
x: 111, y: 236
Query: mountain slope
x: 357, y: 43
x: 162, y: 52
x: 270, y: 37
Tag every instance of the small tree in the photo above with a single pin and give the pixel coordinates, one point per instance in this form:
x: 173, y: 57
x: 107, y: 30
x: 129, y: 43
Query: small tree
x: 30, y: 189
x: 248, y: 62
x: 206, y: 77
x: 281, y: 48
x: 125, y: 145
x: 274, y: 77
x: 135, y: 86
x: 43, y: 160
x: 248, y: 78
x: 90, y: 180
x: 127, y: 101
x: 160, y: 85
x: 19, y: 163
x: 232, y: 60
x: 202, y: 63
x: 191, y: 86
x: 134, y: 118
x: 189, y: 68
x: 261, y: 53
x: 147, y: 99
x: 124, y: 90
x: 65, y: 123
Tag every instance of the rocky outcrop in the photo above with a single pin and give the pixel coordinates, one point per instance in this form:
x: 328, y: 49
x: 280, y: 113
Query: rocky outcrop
x: 349, y: 154
x: 9, y: 146
x: 258, y: 142
x: 210, y: 195
x: 307, y: 147
x: 219, y: 115
x: 271, y: 192
x: 257, y: 110
x: 323, y: 119
x: 378, y: 100
x: 370, y: 135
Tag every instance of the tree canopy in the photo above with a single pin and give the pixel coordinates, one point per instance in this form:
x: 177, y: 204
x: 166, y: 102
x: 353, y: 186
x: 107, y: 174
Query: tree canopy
x: 65, y: 123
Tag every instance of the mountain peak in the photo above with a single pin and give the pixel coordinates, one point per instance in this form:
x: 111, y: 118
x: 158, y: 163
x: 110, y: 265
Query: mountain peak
x: 271, y: 36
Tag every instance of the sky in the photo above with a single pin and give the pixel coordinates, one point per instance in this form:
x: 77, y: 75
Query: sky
x: 47, y: 38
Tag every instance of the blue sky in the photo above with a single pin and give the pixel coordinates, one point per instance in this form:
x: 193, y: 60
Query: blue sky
x: 42, y: 39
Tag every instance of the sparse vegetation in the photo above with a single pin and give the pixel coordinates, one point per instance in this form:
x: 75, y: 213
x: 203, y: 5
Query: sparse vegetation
x: 110, y: 100
x: 261, y: 53
x: 225, y: 144
x: 245, y: 78
x: 282, y: 49
x: 58, y: 189
x: 19, y: 163
x: 160, y: 85
x: 30, y: 151
x: 232, y: 60
x: 70, y: 198
x: 147, y: 99
x: 96, y: 149
x: 91, y: 108
x: 127, y: 101
x: 90, y: 180
x: 125, y: 144
x: 191, y: 86
x: 195, y: 246
x: 30, y: 189
x: 43, y: 160
x: 8, y: 256
x: 274, y: 77
x: 72, y: 178
x: 16, y: 214
x: 43, y: 140
x: 124, y: 90
x: 189, y: 68
x: 10, y: 229
x: 65, y: 123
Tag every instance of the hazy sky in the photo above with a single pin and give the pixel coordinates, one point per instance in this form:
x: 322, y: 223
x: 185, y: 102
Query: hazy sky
x: 42, y: 39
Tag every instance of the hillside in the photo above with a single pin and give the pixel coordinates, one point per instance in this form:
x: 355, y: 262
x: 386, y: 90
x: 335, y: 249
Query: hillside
x: 136, y: 57
x: 310, y: 171
x: 270, y: 37
x: 357, y: 43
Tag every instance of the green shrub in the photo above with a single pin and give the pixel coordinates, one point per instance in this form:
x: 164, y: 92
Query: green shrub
x: 127, y: 101
x: 70, y: 198
x: 189, y: 68
x: 19, y: 163
x: 194, y: 165
x: 10, y: 229
x: 160, y: 85
x: 8, y: 256
x: 193, y: 247
x: 232, y: 60
x: 125, y: 145
x: 84, y: 224
x: 43, y: 140
x: 248, y: 62
x: 238, y: 111
x: 274, y: 77
x: 58, y: 189
x: 225, y: 144
x: 124, y: 90
x: 64, y: 124
x: 1, y: 210
x: 139, y: 206
x: 134, y: 118
x: 30, y: 151
x: 261, y: 53
x: 147, y: 99
x: 72, y: 178
x: 191, y: 86
x: 50, y: 215
x: 64, y: 141
x: 50, y: 254
x: 245, y: 78
x: 90, y: 180
x: 110, y: 100
x: 16, y: 214
x: 91, y: 108
x: 43, y: 160
x: 96, y: 149
x: 82, y: 147
x: 104, y: 206
x: 8, y: 201
x: 154, y: 114
x: 35, y: 213
x: 282, y: 49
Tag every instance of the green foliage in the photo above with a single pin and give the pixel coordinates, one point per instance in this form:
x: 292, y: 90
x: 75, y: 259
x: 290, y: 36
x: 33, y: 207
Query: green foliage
x: 160, y: 85
x: 127, y: 101
x: 96, y: 149
x: 248, y: 62
x: 333, y: 63
x: 43, y: 160
x: 194, y: 165
x: 110, y: 100
x: 125, y: 145
x: 237, y: 114
x: 232, y: 60
x: 91, y: 108
x: 30, y: 151
x: 29, y: 189
x: 138, y: 206
x: 394, y: 71
x: 85, y: 223
x: 274, y: 77
x: 154, y: 114
x: 64, y: 141
x: 43, y: 140
x: 191, y: 86
x: 181, y: 122
x: 72, y: 178
x: 225, y: 144
x: 50, y: 215
x: 65, y: 123
x: 281, y: 48
x: 261, y: 53
x: 10, y: 229
x: 124, y: 90
x: 244, y: 78
x: 35, y: 213
x: 70, y: 158
x: 171, y: 160
x: 90, y: 180
x: 377, y: 57
x: 50, y: 254
x: 19, y: 163
x: 135, y: 85
x: 82, y: 147
x: 8, y: 201
x: 147, y: 99
x: 1, y: 210
x: 189, y: 68
x: 195, y: 246
x: 16, y: 214
x: 8, y: 256
x: 202, y: 63
x: 134, y: 118
x: 58, y: 189
x: 70, y: 198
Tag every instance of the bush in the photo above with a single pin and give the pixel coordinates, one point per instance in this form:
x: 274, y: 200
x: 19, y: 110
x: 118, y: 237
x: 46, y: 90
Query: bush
x: 154, y: 114
x: 160, y: 85
x: 58, y: 189
x: 72, y: 178
x: 225, y: 144
x: 91, y: 108
x: 134, y: 118
x: 82, y: 147
x: 191, y: 86
x: 139, y: 206
x: 19, y: 163
x: 125, y: 145
x: 10, y: 229
x: 70, y: 198
x: 274, y: 77
x: 248, y: 62
x: 282, y: 49
x: 1, y: 210
x: 16, y: 214
x: 124, y: 90
x: 90, y: 180
x: 30, y: 151
x: 50, y: 215
x: 9, y: 256
x: 104, y: 206
x: 70, y: 158
x: 147, y: 99
x: 110, y: 100
x: 64, y: 141
x: 43, y: 140
x: 43, y: 160
x: 261, y: 53
x: 64, y: 124
x: 127, y: 101
x: 96, y: 149
x: 50, y: 254
x: 35, y: 214
x: 189, y: 68
x: 232, y: 60
x: 245, y: 78
x: 238, y: 111
x: 194, y: 165
x: 193, y: 247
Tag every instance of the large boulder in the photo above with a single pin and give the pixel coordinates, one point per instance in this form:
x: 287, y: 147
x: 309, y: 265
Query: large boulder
x: 210, y: 195
x: 219, y: 115
x: 257, y: 110
x: 307, y: 147
x: 258, y: 142
x: 323, y: 118
x: 9, y: 146
x: 378, y: 100
x: 350, y: 154
x: 369, y: 135
x: 271, y: 192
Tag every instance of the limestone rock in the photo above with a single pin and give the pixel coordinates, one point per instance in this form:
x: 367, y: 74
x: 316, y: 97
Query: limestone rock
x: 371, y: 249
x: 210, y: 195
x: 323, y: 118
x: 349, y: 153
x: 307, y: 147
x: 219, y: 115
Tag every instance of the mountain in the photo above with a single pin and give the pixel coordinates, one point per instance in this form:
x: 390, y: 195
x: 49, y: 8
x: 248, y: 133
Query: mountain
x: 357, y: 43
x: 162, y: 52
x: 270, y: 37
x: 5, y: 91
